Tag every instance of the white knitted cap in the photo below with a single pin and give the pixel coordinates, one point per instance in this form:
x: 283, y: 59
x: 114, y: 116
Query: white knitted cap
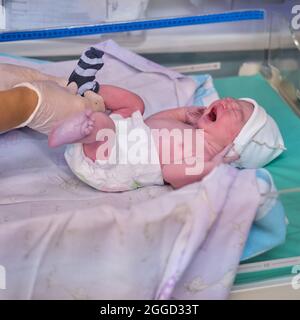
x: 259, y: 141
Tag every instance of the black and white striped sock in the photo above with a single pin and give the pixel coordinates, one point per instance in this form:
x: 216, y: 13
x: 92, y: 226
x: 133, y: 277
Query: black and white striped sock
x: 84, y: 74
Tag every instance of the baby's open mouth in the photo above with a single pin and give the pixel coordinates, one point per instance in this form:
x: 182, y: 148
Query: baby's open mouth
x: 213, y: 114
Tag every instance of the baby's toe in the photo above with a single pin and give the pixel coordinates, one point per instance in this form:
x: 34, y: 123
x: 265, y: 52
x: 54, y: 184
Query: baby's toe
x: 87, y: 131
x: 88, y: 112
x: 90, y: 126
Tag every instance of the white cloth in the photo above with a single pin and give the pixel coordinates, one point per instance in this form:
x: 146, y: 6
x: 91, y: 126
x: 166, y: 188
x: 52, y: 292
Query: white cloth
x: 259, y: 142
x: 130, y: 165
x: 61, y: 239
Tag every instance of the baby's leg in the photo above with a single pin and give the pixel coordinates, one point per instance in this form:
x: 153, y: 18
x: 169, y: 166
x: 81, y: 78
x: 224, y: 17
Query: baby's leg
x: 121, y: 101
x: 81, y: 128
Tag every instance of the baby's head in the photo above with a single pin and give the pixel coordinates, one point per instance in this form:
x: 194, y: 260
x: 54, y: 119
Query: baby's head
x: 254, y: 134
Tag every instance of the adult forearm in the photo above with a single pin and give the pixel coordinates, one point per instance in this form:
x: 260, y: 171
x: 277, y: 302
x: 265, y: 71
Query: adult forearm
x: 16, y: 106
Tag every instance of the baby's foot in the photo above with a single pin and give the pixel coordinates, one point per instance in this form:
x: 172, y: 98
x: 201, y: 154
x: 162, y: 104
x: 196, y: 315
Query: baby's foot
x: 72, y: 130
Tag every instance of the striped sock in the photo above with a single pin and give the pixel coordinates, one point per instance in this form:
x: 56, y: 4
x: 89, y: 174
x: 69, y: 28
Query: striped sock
x: 84, y: 74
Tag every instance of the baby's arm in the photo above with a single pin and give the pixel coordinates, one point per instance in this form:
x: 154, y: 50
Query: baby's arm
x: 183, y: 114
x: 177, y: 174
x: 121, y: 101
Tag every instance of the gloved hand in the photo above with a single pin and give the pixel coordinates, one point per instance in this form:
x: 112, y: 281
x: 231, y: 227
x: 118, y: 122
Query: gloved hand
x: 56, y: 103
x: 11, y: 74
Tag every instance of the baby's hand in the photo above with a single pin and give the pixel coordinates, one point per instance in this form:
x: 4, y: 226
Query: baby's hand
x: 221, y: 156
x: 193, y: 114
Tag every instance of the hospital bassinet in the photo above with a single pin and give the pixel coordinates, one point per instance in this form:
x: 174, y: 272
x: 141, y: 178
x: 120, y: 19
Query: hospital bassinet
x: 275, y: 267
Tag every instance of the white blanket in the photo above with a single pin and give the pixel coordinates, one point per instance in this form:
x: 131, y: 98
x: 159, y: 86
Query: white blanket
x: 60, y: 239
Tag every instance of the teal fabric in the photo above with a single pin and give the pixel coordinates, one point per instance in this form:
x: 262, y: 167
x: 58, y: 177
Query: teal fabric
x: 285, y: 170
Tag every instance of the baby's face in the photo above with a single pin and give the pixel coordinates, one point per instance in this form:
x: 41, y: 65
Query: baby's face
x: 224, y: 119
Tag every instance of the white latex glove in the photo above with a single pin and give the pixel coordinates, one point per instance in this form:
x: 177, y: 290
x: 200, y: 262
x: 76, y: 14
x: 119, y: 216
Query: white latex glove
x: 11, y: 74
x: 56, y: 103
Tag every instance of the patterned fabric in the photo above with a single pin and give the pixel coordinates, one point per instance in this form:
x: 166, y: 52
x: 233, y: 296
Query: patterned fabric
x: 85, y: 72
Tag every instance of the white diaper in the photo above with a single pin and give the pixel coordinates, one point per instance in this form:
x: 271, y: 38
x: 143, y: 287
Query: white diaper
x: 133, y: 162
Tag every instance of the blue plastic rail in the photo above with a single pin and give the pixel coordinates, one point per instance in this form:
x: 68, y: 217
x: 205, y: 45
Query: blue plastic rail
x: 131, y: 26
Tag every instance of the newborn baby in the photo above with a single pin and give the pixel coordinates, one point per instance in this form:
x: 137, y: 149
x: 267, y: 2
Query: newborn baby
x: 237, y: 131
